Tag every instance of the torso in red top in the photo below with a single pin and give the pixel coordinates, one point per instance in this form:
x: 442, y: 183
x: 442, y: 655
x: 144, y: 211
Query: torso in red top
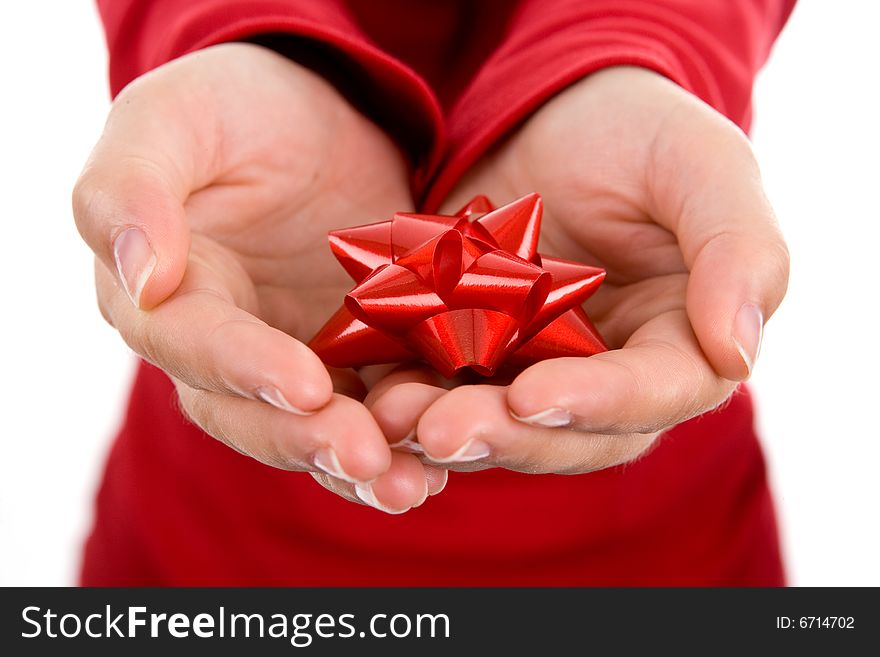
x: 178, y: 507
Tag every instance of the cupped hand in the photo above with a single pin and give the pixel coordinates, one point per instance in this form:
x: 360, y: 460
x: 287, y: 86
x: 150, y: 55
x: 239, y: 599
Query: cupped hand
x: 645, y: 180
x: 207, y: 202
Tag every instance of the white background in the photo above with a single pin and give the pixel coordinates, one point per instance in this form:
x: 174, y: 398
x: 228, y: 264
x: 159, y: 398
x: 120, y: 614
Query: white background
x: 64, y: 374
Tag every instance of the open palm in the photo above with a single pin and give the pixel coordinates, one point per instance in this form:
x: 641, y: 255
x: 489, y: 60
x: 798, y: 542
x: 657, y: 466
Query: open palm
x: 640, y: 178
x: 207, y: 202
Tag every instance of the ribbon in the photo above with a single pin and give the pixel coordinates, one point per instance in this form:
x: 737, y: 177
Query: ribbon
x: 463, y: 291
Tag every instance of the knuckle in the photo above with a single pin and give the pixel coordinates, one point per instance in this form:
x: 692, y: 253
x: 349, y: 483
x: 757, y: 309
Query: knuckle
x: 85, y: 200
x: 695, y: 390
x: 779, y: 259
x: 204, y: 410
x: 688, y: 387
x: 140, y: 338
x: 214, y: 362
x: 143, y: 338
x: 627, y: 383
x: 190, y: 404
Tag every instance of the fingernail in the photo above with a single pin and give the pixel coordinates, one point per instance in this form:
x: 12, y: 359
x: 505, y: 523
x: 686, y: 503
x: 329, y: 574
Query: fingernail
x: 472, y: 450
x: 367, y: 496
x: 444, y: 479
x: 135, y: 261
x: 272, y: 395
x: 551, y: 417
x: 748, y: 329
x: 325, y: 459
x: 409, y: 444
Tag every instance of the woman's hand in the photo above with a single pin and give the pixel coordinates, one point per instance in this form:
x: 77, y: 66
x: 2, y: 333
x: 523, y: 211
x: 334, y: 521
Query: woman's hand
x: 643, y: 179
x: 207, y: 202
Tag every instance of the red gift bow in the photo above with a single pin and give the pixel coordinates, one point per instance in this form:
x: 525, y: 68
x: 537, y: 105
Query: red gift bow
x: 458, y: 292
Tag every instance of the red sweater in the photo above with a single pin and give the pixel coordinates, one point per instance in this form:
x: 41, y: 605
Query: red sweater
x: 178, y: 507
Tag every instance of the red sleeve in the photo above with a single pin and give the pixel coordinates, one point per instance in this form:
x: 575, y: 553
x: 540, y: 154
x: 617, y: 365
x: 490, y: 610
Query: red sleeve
x: 143, y: 34
x: 712, y: 48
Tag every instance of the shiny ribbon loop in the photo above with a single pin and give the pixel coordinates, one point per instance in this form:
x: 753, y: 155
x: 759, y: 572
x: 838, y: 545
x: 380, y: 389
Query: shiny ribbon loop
x: 467, y: 290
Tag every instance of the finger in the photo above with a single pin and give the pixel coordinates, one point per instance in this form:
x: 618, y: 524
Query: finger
x: 398, y: 410
x: 437, y: 479
x: 201, y: 336
x: 402, y: 487
x: 399, y: 398
x: 342, y: 440
x: 337, y: 486
x: 128, y: 201
x: 396, y: 491
x: 716, y: 206
x: 347, y: 382
x: 660, y: 378
x: 473, y: 425
x: 379, y: 381
x: 619, y: 311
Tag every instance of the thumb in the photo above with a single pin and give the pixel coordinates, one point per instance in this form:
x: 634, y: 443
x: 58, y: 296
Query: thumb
x: 129, y: 200
x: 728, y: 234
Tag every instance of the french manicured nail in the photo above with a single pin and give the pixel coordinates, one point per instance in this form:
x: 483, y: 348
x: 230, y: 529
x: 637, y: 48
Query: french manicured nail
x: 135, y: 261
x: 472, y: 450
x: 748, y: 330
x: 437, y: 479
x: 325, y: 459
x: 409, y: 444
x: 272, y: 395
x: 367, y: 496
x: 551, y: 418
